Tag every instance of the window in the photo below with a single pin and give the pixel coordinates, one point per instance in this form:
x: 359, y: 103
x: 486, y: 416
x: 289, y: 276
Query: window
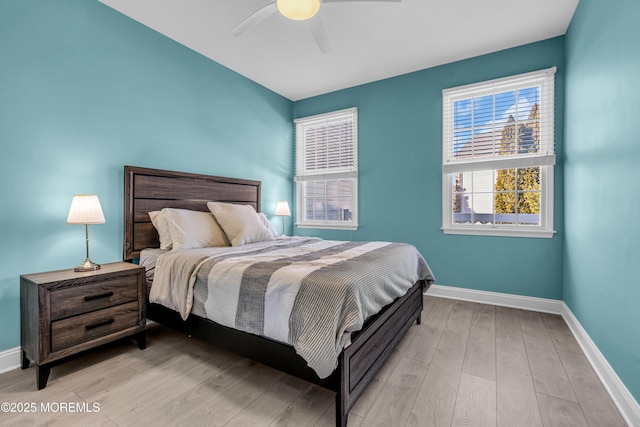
x: 327, y: 170
x: 498, y: 156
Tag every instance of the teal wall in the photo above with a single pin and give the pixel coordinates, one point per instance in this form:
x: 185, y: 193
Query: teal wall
x: 400, y: 179
x: 84, y: 91
x: 602, y: 175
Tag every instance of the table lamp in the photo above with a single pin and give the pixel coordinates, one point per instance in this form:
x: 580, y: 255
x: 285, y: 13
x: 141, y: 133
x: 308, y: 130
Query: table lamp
x: 282, y: 209
x: 85, y: 209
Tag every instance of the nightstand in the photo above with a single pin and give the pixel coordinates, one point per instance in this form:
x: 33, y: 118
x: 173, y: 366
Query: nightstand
x: 65, y: 312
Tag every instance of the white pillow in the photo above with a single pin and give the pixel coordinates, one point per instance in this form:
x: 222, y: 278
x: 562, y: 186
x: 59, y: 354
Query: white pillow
x: 265, y: 221
x: 160, y: 222
x: 194, y: 229
x: 241, y: 223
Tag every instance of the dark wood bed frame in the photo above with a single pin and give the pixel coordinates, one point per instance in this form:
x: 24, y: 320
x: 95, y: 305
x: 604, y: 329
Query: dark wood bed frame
x: 153, y: 189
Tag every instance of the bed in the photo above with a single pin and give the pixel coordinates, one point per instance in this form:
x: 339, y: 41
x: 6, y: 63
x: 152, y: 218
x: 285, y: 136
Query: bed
x: 151, y: 190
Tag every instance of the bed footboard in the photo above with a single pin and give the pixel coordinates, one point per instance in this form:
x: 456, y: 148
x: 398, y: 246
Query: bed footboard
x: 362, y: 360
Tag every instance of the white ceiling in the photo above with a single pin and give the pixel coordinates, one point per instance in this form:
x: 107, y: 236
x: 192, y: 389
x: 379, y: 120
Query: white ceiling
x: 369, y: 40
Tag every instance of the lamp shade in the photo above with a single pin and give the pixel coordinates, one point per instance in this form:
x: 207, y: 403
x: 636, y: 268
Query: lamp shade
x: 298, y: 10
x: 85, y: 209
x: 282, y: 208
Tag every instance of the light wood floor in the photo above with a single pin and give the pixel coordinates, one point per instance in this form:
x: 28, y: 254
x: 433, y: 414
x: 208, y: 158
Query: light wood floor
x: 466, y: 364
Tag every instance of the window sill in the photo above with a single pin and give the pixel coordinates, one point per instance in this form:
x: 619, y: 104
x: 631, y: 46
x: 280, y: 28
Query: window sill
x: 328, y: 226
x: 503, y: 232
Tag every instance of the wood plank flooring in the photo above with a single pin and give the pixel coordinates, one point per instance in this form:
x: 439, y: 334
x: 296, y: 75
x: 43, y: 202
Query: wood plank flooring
x: 467, y: 364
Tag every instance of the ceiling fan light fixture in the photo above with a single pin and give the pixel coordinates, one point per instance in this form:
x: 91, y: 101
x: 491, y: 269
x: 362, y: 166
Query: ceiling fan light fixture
x: 298, y: 10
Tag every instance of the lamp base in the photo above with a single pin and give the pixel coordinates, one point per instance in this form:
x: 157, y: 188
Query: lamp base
x: 87, y: 265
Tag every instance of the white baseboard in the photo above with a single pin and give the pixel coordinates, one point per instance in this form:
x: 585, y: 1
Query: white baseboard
x: 542, y: 305
x: 629, y: 408
x: 9, y: 360
x: 624, y: 401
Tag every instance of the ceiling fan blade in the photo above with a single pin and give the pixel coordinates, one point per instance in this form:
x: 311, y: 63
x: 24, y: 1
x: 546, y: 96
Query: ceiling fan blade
x: 319, y: 35
x: 254, y: 19
x: 344, y: 1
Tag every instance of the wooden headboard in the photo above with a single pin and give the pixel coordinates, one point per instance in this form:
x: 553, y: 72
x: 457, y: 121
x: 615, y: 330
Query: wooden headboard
x: 147, y: 190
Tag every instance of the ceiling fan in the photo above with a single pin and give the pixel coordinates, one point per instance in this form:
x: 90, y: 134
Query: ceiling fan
x: 297, y: 10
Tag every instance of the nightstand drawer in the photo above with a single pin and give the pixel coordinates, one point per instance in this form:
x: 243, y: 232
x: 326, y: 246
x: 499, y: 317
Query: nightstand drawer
x: 80, y: 329
x: 88, y: 297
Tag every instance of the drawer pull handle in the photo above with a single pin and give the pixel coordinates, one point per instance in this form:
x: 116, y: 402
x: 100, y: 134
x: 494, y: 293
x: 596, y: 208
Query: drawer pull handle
x: 98, y: 296
x: 97, y: 325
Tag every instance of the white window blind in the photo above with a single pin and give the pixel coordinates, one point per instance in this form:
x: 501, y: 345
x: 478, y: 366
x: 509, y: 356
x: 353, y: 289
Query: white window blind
x: 327, y: 170
x: 327, y: 146
x: 499, y: 124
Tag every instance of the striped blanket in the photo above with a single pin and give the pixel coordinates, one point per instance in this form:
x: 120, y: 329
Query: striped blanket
x: 307, y: 292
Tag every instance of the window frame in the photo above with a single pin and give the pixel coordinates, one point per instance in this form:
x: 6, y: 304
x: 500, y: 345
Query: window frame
x: 545, y: 161
x: 303, y: 176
